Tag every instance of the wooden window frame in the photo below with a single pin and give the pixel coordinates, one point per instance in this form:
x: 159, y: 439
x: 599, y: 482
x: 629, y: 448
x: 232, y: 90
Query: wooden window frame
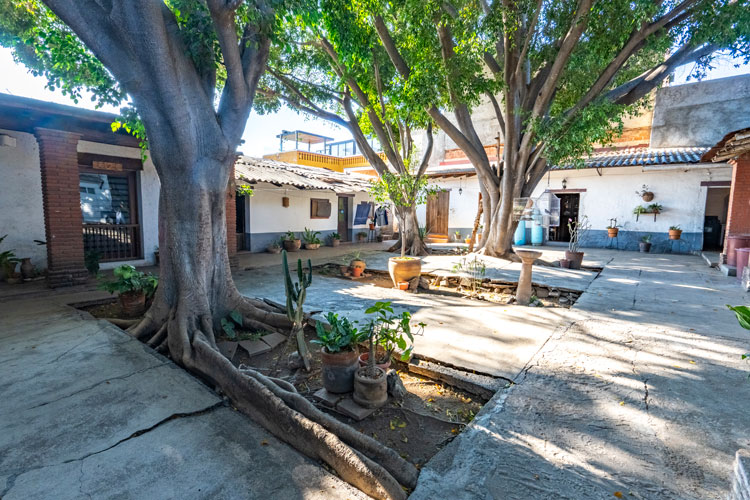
x: 313, y: 206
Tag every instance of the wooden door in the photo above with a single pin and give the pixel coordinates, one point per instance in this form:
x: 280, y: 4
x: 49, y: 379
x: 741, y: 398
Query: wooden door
x: 343, y: 218
x: 568, y: 210
x: 438, y: 206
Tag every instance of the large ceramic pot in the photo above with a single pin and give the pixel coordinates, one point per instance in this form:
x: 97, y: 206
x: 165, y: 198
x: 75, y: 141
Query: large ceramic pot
x: 675, y: 234
x: 274, y: 249
x: 404, y: 269
x: 365, y: 357
x: 575, y: 258
x: 292, y: 245
x: 27, y: 268
x: 133, y: 303
x: 335, y: 242
x: 312, y: 246
x: 644, y: 246
x: 338, y: 370
x: 370, y: 392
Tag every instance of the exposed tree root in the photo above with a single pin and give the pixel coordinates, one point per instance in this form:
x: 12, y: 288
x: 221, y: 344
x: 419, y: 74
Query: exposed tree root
x: 159, y: 337
x: 122, y: 323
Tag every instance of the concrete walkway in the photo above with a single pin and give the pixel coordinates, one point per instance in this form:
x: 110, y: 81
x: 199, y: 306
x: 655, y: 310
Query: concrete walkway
x: 645, y: 394
x: 87, y: 411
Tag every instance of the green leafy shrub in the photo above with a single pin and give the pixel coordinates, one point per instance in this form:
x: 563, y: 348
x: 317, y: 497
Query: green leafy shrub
x: 743, y: 318
x: 389, y: 331
x: 289, y: 236
x: 128, y: 279
x: 311, y: 237
x: 342, y: 335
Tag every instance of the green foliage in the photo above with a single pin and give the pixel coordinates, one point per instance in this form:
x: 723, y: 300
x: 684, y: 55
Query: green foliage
x: 403, y: 190
x: 91, y: 260
x: 675, y: 228
x: 230, y: 323
x: 296, y: 292
x: 334, y: 236
x: 655, y: 208
x: 640, y: 209
x: 8, y: 259
x: 646, y: 238
x: 244, y: 190
x: 311, y: 237
x: 289, y: 236
x: 475, y: 268
x: 390, y: 331
x: 341, y: 336
x: 127, y: 279
x: 743, y: 318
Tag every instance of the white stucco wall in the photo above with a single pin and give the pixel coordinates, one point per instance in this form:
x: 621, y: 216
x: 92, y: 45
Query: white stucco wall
x: 148, y: 189
x: 267, y: 215
x: 21, y: 213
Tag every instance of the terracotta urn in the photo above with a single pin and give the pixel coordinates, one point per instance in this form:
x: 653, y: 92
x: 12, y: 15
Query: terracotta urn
x: 675, y: 234
x: 404, y: 269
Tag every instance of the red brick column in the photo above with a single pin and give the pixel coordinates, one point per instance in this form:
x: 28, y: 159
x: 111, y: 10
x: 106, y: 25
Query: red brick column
x: 231, y: 215
x: 58, y: 159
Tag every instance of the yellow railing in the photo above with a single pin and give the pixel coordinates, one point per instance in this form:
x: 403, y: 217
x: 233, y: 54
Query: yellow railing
x: 320, y: 160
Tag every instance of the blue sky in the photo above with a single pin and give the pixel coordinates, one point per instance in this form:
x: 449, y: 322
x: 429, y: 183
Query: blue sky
x: 260, y: 132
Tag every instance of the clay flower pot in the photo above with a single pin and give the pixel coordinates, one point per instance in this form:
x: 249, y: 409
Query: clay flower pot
x: 312, y: 246
x: 644, y: 247
x: 338, y: 370
x: 612, y: 232
x: 648, y: 196
x: 675, y: 234
x: 27, y: 268
x: 404, y: 269
x: 358, y: 263
x: 467, y: 241
x: 403, y: 285
x: 575, y: 258
x: 365, y: 357
x: 335, y: 242
x: 133, y: 303
x: 357, y: 271
x: 275, y: 249
x: 565, y: 263
x: 292, y: 245
x: 370, y: 392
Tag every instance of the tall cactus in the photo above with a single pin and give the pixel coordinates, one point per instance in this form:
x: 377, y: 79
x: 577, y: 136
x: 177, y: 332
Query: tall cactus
x: 295, y: 298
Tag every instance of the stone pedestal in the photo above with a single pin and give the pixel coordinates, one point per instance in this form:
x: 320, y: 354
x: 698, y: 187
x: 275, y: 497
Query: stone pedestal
x: 523, y: 292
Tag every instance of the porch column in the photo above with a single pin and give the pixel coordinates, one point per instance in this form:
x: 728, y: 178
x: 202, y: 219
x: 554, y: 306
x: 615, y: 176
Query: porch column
x: 231, y: 215
x: 738, y: 215
x: 63, y: 222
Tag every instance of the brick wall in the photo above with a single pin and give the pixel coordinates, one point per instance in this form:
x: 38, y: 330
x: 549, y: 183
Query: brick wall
x: 58, y: 159
x: 738, y: 218
x: 457, y: 154
x: 231, y: 215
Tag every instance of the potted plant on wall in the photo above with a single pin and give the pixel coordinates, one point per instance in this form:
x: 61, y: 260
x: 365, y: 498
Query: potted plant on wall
x: 335, y: 239
x: 133, y: 288
x: 383, y: 328
x: 675, y: 233
x: 338, y: 352
x: 613, y: 229
x: 645, y: 194
x: 311, y: 239
x: 291, y: 242
x: 644, y: 246
x: 578, y: 230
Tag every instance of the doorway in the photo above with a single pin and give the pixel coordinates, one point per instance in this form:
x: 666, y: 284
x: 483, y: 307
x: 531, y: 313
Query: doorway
x: 715, y: 218
x: 242, y: 220
x: 343, y: 218
x: 569, y: 203
x: 438, y: 206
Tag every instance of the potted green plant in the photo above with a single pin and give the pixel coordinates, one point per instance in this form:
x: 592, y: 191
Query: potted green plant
x: 578, y: 230
x: 335, y: 239
x: 645, y: 194
x: 338, y: 353
x: 361, y: 236
x: 613, y: 229
x: 639, y: 210
x: 357, y: 262
x: 291, y: 242
x: 311, y: 239
x: 457, y: 236
x: 675, y: 233
x: 389, y: 331
x: 644, y: 246
x: 654, y: 208
x: 8, y: 262
x: 274, y: 246
x: 133, y: 288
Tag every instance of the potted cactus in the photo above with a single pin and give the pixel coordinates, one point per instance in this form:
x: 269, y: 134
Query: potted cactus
x: 338, y: 353
x: 295, y: 299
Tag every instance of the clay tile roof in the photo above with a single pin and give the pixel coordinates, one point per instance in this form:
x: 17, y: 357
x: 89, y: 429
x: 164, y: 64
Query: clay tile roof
x: 249, y: 170
x: 633, y: 157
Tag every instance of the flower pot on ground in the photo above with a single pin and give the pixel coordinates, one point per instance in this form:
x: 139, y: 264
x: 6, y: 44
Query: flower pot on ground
x: 8, y: 262
x: 361, y: 237
x: 274, y: 248
x: 27, y: 268
x: 311, y: 239
x: 338, y: 355
x: 335, y: 239
x: 467, y: 241
x: 357, y: 262
x: 133, y: 287
x: 382, y: 360
x: 404, y: 268
x: 357, y: 271
x: 644, y: 246
x: 403, y: 285
x: 370, y: 387
x: 578, y: 230
x: 565, y: 263
x: 675, y: 233
x: 291, y: 242
x: 575, y: 259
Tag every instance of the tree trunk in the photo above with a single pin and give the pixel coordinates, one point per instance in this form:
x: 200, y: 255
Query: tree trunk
x: 409, y: 241
x: 196, y: 291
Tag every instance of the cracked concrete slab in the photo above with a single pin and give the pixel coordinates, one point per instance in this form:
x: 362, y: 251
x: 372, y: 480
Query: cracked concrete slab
x: 636, y: 396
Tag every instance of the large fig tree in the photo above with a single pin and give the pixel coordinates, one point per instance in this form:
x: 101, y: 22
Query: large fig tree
x: 190, y: 70
x: 559, y: 75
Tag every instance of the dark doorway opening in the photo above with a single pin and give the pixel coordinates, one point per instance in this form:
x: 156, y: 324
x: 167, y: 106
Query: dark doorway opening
x: 715, y: 219
x: 568, y: 211
x: 343, y: 218
x: 243, y: 232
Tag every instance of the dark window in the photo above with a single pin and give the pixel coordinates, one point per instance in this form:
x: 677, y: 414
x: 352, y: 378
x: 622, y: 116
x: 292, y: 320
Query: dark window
x: 320, y: 208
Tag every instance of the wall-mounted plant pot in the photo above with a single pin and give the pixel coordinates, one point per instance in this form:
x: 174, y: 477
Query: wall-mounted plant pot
x: 335, y: 242
x: 404, y: 269
x: 575, y: 258
x: 675, y: 234
x: 338, y: 370
x: 644, y: 247
x: 648, y: 196
x: 565, y: 263
x: 357, y: 271
x: 612, y: 232
x: 292, y: 245
x: 133, y: 303
x: 370, y: 392
x: 312, y: 246
x: 285, y: 201
x: 372, y: 227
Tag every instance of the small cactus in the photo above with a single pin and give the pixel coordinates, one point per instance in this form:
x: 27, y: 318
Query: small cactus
x: 295, y: 299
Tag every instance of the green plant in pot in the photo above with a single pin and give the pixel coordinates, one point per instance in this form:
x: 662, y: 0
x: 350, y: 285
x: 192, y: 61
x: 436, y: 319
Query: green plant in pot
x: 338, y: 353
x: 357, y: 265
x: 274, y: 246
x: 644, y: 246
x: 8, y: 262
x: 133, y: 288
x: 361, y: 236
x: 389, y: 331
x: 291, y: 242
x: 335, y: 239
x: 675, y: 232
x: 311, y: 239
x: 578, y: 231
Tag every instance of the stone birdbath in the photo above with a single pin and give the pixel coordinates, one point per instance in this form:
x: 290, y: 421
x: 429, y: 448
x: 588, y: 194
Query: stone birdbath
x: 523, y: 292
